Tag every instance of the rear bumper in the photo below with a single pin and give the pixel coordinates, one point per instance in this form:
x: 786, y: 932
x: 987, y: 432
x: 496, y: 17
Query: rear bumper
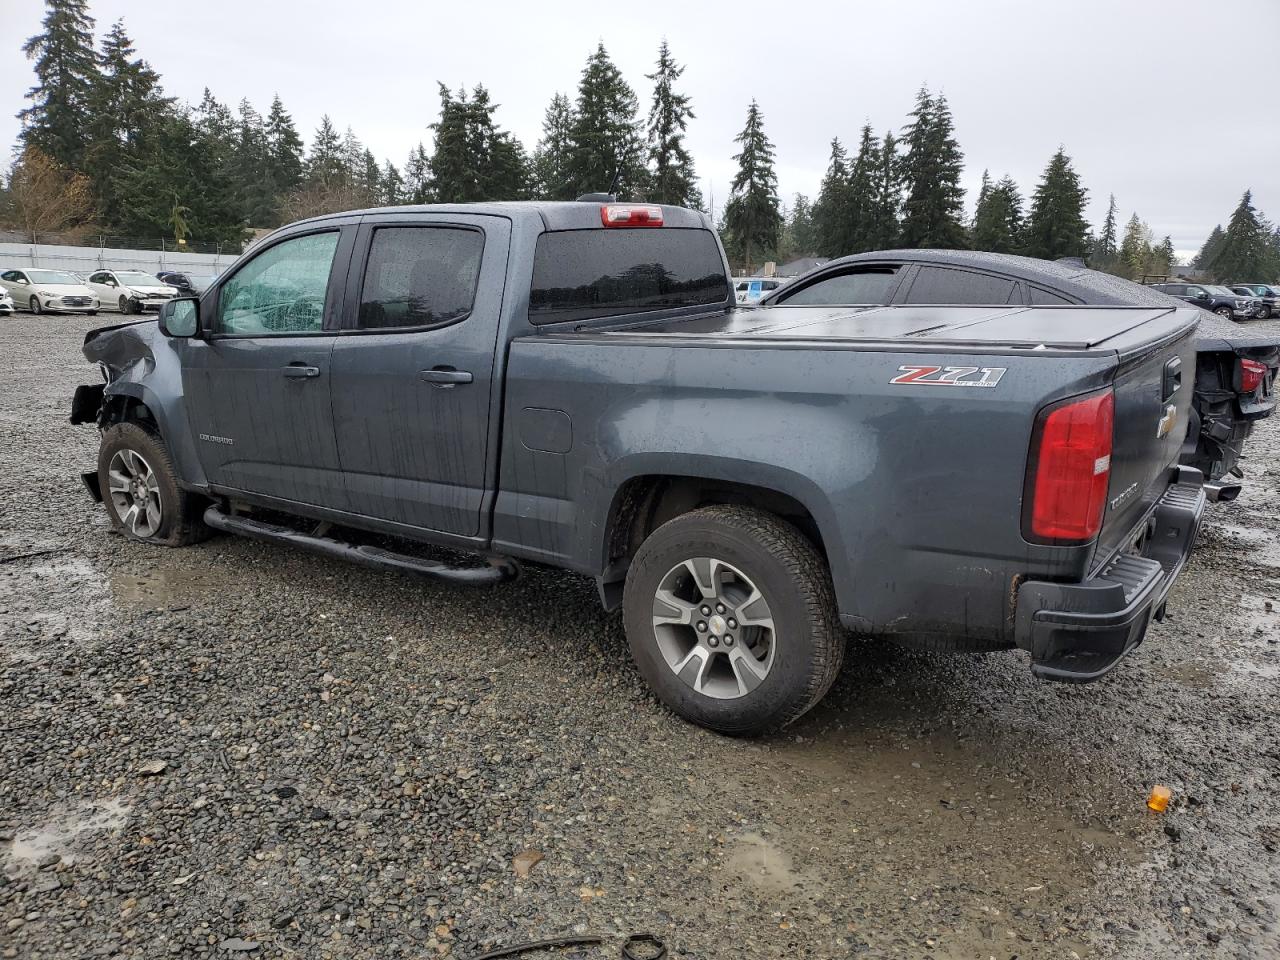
x: 1077, y: 632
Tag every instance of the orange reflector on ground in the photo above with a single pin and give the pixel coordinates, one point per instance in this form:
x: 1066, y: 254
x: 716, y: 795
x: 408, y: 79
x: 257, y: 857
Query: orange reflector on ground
x: 1159, y: 799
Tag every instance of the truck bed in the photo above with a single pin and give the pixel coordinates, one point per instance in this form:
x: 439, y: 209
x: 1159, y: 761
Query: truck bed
x: 1013, y: 328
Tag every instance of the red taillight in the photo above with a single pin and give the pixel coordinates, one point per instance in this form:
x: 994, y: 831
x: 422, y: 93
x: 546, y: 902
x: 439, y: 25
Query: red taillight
x: 1071, y: 467
x: 631, y: 215
x: 1252, y: 373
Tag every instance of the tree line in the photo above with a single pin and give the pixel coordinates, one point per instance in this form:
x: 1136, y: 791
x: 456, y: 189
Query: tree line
x: 905, y: 192
x: 102, y: 147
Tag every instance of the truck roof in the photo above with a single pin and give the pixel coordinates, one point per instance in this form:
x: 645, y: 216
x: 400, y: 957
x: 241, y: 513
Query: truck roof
x: 552, y: 214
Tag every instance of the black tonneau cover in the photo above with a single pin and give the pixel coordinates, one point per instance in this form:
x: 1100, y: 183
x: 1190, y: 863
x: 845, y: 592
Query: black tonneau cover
x: 1058, y: 328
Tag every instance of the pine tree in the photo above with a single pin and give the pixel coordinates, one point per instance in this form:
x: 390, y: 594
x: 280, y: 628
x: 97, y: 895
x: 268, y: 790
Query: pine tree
x: 800, y: 227
x: 883, y: 228
x: 66, y: 69
x: 752, y: 217
x: 1162, y: 257
x: 831, y: 211
x: 1135, y: 248
x: 605, y: 147
x: 551, y: 156
x: 391, y: 189
x: 177, y: 172
x: 127, y: 107
x: 473, y: 159
x: 861, y: 193
x: 250, y: 169
x: 672, y: 179
x: 931, y: 174
x: 417, y: 176
x: 1106, y: 245
x: 284, y: 152
x: 997, y: 221
x: 216, y: 134
x: 1056, y: 226
x: 324, y: 165
x: 1212, y: 244
x: 1244, y: 255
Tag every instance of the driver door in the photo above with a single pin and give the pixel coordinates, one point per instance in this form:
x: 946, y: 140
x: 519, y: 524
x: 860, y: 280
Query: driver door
x: 258, y: 381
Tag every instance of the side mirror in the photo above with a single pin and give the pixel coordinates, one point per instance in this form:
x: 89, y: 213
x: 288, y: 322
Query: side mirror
x: 180, y: 317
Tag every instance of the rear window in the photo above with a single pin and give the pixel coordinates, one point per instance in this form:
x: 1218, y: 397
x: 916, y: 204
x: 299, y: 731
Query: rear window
x: 940, y: 285
x: 581, y: 274
x: 866, y: 285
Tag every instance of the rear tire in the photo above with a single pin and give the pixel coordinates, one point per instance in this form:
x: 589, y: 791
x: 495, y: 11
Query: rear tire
x: 140, y: 490
x: 739, y: 563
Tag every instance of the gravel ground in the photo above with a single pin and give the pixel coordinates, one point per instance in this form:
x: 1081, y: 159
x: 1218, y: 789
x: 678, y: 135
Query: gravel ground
x: 237, y: 750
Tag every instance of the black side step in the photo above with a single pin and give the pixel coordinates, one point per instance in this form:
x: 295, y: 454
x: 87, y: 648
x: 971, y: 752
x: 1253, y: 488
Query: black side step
x: 498, y: 570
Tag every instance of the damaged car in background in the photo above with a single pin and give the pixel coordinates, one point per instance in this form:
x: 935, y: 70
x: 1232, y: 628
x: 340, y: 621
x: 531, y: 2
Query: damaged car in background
x: 1235, y: 368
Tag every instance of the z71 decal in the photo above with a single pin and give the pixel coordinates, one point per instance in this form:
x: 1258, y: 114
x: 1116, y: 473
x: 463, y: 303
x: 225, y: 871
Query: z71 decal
x: 949, y: 376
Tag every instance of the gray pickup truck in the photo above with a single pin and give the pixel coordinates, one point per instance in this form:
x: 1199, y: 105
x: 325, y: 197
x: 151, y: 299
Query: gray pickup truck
x: 570, y: 384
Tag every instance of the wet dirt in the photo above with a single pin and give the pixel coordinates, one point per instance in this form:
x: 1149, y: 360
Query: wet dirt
x: 350, y: 759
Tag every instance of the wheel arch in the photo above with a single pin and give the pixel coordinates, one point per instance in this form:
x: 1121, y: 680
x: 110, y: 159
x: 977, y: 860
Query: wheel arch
x: 644, y: 500
x: 128, y: 401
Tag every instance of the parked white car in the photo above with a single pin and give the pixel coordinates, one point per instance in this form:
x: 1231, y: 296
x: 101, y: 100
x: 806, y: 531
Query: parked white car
x: 54, y: 290
x: 751, y: 289
x: 130, y: 291
x: 6, y: 303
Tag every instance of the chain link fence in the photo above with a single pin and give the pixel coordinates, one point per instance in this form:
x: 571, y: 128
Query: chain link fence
x: 107, y: 241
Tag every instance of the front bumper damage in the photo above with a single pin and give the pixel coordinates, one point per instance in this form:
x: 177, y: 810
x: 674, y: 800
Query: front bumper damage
x: 1077, y: 632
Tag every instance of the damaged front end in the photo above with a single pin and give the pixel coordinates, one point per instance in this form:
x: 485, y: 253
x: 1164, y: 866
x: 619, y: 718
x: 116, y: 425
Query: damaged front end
x: 125, y: 355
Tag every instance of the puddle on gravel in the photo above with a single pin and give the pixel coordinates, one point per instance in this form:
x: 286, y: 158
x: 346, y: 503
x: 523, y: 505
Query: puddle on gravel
x: 891, y: 823
x: 1251, y: 544
x: 156, y: 587
x: 59, y: 836
x: 761, y: 863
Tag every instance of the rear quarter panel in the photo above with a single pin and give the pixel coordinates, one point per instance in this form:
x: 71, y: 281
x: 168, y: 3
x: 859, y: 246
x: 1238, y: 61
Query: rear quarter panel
x: 916, y: 489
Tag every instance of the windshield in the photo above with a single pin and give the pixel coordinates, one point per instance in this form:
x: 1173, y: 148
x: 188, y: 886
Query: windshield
x: 51, y: 276
x: 136, y: 278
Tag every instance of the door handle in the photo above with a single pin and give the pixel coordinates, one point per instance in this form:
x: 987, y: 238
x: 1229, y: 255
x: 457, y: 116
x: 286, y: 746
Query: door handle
x: 445, y: 376
x: 300, y: 371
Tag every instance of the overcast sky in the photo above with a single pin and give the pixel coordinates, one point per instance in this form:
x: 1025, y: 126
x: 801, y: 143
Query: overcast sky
x: 1171, y: 105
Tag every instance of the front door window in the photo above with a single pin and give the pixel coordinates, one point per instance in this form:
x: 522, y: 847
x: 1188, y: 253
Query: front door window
x: 280, y: 292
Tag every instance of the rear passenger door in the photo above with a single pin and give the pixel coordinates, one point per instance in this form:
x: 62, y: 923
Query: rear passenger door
x: 414, y: 368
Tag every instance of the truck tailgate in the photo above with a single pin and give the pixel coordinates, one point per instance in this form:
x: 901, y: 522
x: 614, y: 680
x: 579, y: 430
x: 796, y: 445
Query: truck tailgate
x: 1153, y: 390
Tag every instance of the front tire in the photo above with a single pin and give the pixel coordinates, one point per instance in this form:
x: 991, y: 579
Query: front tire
x: 770, y: 646
x: 125, y: 306
x: 140, y: 489
x: 1224, y: 312
x: 35, y: 306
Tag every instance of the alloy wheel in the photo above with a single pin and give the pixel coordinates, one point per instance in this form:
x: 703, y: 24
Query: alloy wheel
x: 714, y: 628
x: 135, y: 493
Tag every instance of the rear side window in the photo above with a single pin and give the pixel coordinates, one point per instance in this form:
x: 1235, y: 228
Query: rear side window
x: 419, y: 276
x: 582, y: 274
x: 1043, y: 298
x: 871, y: 285
x: 939, y: 285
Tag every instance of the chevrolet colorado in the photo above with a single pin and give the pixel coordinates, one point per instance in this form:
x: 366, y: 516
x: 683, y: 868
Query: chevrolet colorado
x: 570, y: 384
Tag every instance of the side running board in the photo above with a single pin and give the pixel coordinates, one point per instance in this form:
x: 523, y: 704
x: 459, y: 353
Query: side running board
x: 498, y: 570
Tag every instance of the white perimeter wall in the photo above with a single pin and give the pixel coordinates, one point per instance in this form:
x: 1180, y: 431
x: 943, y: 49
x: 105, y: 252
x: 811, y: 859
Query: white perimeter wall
x: 89, y: 259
